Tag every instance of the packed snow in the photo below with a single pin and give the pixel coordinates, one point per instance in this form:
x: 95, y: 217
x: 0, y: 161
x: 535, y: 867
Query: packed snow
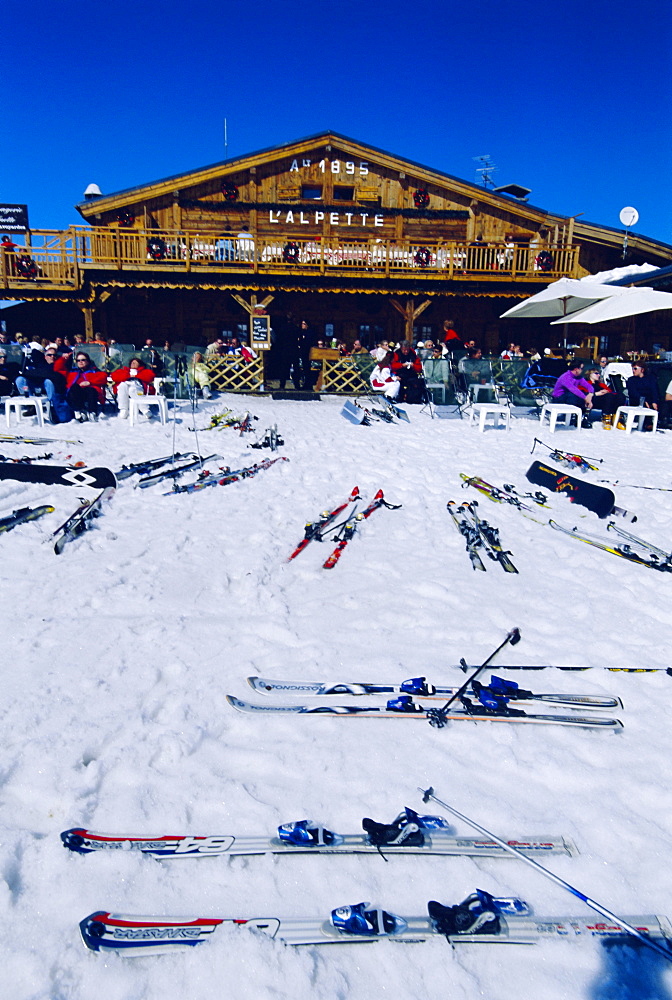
x: 119, y: 654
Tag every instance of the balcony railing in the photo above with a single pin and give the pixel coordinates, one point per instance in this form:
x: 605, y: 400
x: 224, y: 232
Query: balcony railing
x: 59, y: 259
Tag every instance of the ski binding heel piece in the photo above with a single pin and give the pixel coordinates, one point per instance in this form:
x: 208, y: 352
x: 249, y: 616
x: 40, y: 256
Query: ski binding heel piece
x: 404, y: 703
x: 417, y: 686
x: 358, y: 920
x: 304, y: 833
x: 401, y: 833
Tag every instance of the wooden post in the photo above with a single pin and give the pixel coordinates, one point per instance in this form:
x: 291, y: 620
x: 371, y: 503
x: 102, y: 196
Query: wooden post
x: 410, y: 314
x: 88, y: 322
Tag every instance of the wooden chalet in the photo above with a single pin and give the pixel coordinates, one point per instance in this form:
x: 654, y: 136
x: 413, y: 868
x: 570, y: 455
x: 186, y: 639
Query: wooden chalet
x: 357, y: 241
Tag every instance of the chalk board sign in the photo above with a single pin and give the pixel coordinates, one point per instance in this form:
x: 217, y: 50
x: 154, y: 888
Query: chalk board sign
x: 260, y: 329
x: 13, y: 218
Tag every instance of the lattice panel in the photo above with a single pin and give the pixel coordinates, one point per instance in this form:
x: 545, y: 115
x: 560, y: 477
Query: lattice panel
x: 343, y: 376
x: 231, y: 374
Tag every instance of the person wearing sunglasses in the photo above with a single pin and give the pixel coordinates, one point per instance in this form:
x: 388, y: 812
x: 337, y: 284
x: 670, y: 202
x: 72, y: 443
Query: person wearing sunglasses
x: 86, y: 387
x: 44, y: 374
x: 642, y: 387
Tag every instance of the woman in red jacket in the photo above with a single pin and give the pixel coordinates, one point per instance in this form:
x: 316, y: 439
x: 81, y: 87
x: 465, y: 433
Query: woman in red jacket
x: 134, y: 380
x: 85, y: 387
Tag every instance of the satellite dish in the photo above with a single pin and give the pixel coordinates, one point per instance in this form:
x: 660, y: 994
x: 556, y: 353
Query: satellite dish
x: 629, y: 216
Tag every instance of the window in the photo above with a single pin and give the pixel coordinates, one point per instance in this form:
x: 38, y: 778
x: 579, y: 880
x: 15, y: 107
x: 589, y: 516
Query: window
x: 344, y: 193
x: 310, y: 192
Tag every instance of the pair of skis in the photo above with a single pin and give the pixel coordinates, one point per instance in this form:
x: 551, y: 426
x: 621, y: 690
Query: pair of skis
x: 80, y: 520
x: 491, y: 704
x: 479, y: 536
x: 225, y: 476
x: 318, y: 529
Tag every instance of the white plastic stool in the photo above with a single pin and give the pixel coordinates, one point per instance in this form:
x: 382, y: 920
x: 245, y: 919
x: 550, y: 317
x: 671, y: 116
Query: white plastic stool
x: 481, y: 412
x: 634, y: 417
x: 16, y: 403
x: 136, y: 402
x: 562, y: 413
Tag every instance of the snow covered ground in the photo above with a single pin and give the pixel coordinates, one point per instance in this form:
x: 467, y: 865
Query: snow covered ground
x: 118, y: 655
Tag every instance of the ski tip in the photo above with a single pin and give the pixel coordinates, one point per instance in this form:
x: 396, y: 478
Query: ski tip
x: 379, y: 495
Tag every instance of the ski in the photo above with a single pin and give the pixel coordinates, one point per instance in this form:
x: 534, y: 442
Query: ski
x: 623, y: 551
x: 271, y: 439
x: 176, y: 472
x: 666, y: 557
x: 389, y: 407
x: 224, y: 477
x: 314, y: 529
x: 490, y: 538
x: 12, y: 439
x: 142, y: 468
x: 569, y: 460
x: 78, y: 522
x: 419, y: 688
x: 405, y: 708
x: 58, y: 475
x: 498, y: 495
x: 479, y: 919
x: 22, y: 515
x: 470, y: 534
x: 409, y: 833
x: 350, y: 527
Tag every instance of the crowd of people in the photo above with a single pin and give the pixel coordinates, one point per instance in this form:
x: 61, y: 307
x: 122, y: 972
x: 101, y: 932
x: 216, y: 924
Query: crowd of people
x: 77, y: 388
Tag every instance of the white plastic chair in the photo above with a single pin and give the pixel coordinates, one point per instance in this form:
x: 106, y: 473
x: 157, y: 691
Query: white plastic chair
x: 17, y: 403
x: 561, y: 413
x: 635, y: 417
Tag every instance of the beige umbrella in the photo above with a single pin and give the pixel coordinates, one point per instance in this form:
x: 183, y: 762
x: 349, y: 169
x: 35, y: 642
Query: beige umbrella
x: 562, y: 298
x: 631, y: 302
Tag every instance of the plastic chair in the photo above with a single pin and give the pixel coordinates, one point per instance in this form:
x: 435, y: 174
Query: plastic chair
x: 560, y: 413
x: 634, y: 418
x: 481, y: 412
x: 16, y: 403
x: 136, y: 404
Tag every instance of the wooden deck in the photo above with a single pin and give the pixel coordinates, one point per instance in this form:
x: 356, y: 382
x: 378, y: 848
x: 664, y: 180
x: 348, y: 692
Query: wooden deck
x: 67, y: 260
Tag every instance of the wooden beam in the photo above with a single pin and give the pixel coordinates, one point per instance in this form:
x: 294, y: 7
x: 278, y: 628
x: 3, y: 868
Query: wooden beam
x: 410, y: 313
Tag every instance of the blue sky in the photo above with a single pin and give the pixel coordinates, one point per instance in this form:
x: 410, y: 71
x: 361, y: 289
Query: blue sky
x: 571, y: 99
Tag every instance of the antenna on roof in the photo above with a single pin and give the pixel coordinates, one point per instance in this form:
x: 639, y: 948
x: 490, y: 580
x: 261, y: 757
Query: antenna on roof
x: 226, y: 142
x: 629, y: 216
x: 486, y: 170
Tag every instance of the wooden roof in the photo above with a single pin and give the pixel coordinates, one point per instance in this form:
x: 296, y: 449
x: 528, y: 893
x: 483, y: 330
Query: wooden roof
x: 478, y: 197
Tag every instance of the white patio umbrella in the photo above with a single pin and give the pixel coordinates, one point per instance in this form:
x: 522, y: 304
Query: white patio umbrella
x: 631, y: 302
x: 562, y: 298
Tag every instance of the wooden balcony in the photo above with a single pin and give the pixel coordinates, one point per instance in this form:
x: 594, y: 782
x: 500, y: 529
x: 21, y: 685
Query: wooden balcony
x: 53, y: 260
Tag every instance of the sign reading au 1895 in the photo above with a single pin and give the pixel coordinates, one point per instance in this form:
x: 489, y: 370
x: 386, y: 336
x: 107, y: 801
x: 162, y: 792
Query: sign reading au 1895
x: 13, y: 218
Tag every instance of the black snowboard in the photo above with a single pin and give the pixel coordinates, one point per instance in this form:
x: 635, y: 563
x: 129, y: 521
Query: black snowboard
x: 58, y: 475
x: 596, y: 498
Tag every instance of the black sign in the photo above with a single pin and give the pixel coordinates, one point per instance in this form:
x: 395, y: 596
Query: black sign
x: 261, y: 331
x: 13, y: 218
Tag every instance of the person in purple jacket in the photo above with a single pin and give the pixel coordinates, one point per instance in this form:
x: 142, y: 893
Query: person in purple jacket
x: 572, y: 390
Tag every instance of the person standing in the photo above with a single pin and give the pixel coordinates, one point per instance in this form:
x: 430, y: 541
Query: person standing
x: 406, y: 365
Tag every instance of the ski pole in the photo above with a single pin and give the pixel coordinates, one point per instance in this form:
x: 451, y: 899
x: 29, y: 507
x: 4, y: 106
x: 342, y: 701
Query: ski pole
x: 437, y: 716
x: 428, y: 793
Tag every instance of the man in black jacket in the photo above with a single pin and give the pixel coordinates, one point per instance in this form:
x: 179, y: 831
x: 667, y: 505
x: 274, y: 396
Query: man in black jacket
x: 42, y: 375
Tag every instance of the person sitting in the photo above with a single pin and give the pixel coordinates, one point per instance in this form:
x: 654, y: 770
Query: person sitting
x: 474, y: 367
x: 217, y: 347
x: 642, y: 387
x: 573, y: 390
x: 199, y: 374
x: 45, y: 373
x: 358, y: 348
x: 8, y: 373
x: 134, y: 380
x: 604, y: 398
x: 380, y: 350
x: 382, y: 379
x: 407, y: 366
x: 85, y: 387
